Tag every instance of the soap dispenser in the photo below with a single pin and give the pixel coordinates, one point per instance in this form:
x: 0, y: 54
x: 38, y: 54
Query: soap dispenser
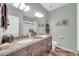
x: 30, y: 33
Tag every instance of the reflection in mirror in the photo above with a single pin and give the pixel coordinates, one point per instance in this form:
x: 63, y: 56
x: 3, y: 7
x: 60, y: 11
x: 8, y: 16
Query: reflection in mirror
x: 13, y: 28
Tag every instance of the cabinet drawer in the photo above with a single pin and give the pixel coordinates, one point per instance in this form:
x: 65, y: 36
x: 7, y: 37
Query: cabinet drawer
x: 35, y: 45
x: 22, y: 52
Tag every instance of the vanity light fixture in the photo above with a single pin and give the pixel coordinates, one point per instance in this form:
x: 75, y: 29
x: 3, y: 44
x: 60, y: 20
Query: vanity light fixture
x: 22, y: 6
x: 38, y: 14
x: 27, y: 8
x: 16, y: 5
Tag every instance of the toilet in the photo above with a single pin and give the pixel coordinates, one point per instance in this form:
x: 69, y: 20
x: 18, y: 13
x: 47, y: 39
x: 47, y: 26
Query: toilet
x: 54, y: 43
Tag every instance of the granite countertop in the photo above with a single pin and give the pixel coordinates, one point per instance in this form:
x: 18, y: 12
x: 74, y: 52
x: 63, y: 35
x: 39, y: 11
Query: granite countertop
x: 14, y: 46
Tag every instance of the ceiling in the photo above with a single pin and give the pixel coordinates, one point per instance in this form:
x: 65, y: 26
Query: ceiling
x: 48, y: 6
x: 52, y: 6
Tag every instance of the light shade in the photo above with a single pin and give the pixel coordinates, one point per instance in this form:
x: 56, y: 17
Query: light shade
x: 22, y: 6
x: 27, y: 8
x: 40, y: 15
x: 16, y: 5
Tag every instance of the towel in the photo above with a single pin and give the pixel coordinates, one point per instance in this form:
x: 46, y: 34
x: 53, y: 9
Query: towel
x: 4, y: 18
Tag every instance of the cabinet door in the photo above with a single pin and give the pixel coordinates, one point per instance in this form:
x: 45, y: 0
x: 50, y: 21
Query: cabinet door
x: 45, y: 47
x: 35, y: 52
x: 35, y: 49
x: 22, y: 52
x: 49, y: 44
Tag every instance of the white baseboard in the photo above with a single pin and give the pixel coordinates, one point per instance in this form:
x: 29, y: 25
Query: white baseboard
x: 69, y: 50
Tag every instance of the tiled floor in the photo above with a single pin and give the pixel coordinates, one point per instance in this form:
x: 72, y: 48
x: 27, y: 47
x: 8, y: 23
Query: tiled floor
x: 62, y: 52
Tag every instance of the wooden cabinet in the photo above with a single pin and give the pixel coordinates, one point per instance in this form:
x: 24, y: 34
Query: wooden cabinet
x: 47, y: 46
x: 40, y: 48
x: 35, y: 52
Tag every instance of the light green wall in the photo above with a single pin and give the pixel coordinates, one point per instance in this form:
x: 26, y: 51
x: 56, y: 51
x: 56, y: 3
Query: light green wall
x: 69, y: 32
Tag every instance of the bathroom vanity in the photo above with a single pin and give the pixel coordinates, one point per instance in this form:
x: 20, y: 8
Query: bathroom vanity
x: 39, y: 46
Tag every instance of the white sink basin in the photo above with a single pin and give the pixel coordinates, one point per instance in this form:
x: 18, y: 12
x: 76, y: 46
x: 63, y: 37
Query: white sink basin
x: 4, y: 46
x: 42, y: 36
x: 24, y: 41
